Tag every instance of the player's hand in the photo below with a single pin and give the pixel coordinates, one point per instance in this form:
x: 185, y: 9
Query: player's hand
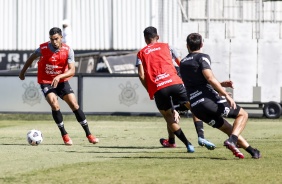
x: 21, y: 75
x: 231, y: 102
x: 227, y: 84
x: 176, y: 116
x: 55, y: 81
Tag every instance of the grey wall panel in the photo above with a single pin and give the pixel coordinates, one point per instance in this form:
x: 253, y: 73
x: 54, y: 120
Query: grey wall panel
x: 116, y: 94
x: 26, y: 96
x: 239, y: 30
x: 217, y: 30
x: 243, y: 69
x: 219, y: 51
x: 269, y: 70
x: 270, y: 31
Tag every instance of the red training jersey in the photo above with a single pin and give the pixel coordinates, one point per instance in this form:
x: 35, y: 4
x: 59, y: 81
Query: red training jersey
x: 52, y: 64
x: 158, y: 67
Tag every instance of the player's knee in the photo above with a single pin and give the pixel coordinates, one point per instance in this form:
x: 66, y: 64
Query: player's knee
x: 243, y: 113
x: 74, y: 106
x: 54, y: 104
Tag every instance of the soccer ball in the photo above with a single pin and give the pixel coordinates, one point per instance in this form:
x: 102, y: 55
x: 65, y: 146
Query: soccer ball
x: 34, y: 137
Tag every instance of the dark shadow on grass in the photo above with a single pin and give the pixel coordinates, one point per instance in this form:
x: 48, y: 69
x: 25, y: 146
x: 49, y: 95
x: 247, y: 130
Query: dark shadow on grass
x: 14, y: 144
x: 148, y: 157
x: 30, y: 145
x: 130, y: 147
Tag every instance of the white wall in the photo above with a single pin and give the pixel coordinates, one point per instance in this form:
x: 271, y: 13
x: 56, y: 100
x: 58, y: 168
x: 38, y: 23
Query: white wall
x: 118, y: 24
x: 96, y: 24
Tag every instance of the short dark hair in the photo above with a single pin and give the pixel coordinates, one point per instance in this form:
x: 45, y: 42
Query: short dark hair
x: 194, y: 41
x: 55, y: 30
x: 150, y: 33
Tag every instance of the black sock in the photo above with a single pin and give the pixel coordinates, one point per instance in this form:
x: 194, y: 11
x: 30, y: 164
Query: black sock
x: 58, y: 118
x: 233, y: 138
x: 182, y: 137
x: 199, y: 128
x: 80, y: 117
x: 171, y: 140
x: 250, y: 150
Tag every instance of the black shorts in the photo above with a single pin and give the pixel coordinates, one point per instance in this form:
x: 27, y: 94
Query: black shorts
x: 212, y: 112
x: 61, y: 90
x: 177, y: 92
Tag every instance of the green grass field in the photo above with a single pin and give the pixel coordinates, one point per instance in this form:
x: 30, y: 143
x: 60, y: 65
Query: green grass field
x: 129, y: 152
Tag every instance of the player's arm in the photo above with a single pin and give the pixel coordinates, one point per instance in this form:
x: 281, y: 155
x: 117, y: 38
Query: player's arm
x: 208, y: 74
x: 175, y: 55
x: 69, y: 73
x: 141, y: 75
x: 177, y: 60
x: 27, y: 65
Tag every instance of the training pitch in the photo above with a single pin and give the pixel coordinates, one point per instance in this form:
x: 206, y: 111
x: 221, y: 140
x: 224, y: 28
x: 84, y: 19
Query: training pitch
x: 129, y: 152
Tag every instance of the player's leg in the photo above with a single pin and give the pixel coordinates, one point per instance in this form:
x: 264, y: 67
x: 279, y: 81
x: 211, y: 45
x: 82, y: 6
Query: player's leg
x: 240, y: 122
x: 51, y: 97
x: 65, y: 92
x: 163, y: 102
x: 210, y: 112
x: 70, y: 99
x: 227, y: 128
x: 176, y: 129
x: 241, y: 117
x: 199, y: 125
x: 170, y: 142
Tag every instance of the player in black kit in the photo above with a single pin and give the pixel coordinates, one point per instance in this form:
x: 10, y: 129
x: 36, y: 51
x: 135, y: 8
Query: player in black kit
x: 208, y: 99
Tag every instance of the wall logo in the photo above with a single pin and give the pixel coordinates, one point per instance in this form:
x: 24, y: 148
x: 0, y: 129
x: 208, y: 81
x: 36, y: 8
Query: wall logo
x: 128, y: 94
x: 31, y: 95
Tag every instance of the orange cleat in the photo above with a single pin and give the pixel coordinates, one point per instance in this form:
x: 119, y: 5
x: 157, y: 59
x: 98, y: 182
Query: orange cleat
x: 67, y: 140
x: 92, y: 139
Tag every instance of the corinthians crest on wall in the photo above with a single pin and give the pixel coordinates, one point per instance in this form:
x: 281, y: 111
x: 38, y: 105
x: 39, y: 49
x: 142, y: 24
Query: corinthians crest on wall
x: 128, y: 94
x: 32, y: 94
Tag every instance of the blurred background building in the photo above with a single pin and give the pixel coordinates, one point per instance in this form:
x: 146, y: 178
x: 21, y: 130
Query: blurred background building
x: 118, y: 24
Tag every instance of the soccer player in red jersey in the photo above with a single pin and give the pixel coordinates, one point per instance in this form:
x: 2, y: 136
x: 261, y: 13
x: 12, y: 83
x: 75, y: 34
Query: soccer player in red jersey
x: 55, y: 67
x: 159, y: 77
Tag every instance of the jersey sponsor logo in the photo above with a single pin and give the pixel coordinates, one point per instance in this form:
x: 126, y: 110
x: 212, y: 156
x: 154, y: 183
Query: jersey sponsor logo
x: 49, y: 69
x: 53, y: 59
x: 195, y: 94
x: 161, y: 76
x: 51, y: 72
x: 149, y: 50
x: 187, y: 58
x: 206, y: 60
x: 165, y: 82
x: 197, y: 102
